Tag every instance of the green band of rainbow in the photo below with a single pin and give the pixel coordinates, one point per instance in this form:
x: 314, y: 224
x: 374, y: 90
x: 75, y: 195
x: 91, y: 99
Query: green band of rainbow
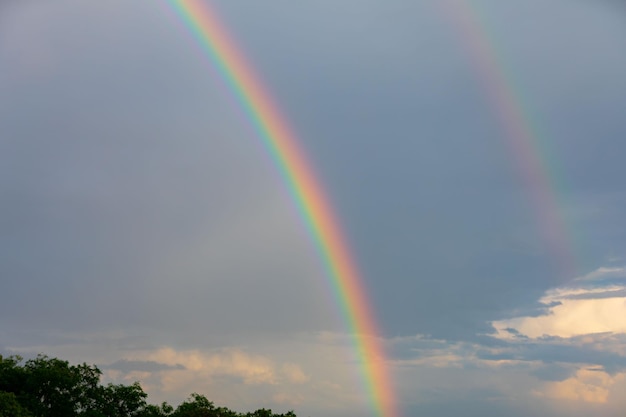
x: 312, y: 203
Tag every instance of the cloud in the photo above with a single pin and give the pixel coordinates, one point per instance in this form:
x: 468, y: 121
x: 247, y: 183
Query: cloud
x: 251, y: 369
x: 603, y: 273
x: 294, y: 373
x: 289, y: 399
x: 229, y: 376
x: 125, y: 365
x: 617, y: 292
x: 594, y: 303
x: 588, y: 385
x: 553, y: 372
x: 574, y: 317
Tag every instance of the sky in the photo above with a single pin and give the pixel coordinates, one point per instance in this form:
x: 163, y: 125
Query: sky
x: 144, y: 227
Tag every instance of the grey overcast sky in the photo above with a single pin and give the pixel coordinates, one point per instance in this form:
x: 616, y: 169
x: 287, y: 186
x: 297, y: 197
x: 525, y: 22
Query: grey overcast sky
x: 144, y: 228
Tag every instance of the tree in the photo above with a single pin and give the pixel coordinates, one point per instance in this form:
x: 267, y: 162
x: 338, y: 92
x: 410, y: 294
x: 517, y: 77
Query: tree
x: 195, y: 406
x: 122, y: 400
x: 268, y: 413
x: 50, y: 387
x: 150, y: 410
x: 12, y: 376
x: 10, y: 407
x: 53, y: 388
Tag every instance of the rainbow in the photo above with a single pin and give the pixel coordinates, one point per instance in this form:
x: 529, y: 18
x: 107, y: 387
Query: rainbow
x: 310, y: 199
x: 520, y: 132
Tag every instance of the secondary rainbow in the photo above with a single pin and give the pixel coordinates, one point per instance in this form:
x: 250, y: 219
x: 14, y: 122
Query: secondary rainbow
x: 521, y: 134
x: 312, y: 203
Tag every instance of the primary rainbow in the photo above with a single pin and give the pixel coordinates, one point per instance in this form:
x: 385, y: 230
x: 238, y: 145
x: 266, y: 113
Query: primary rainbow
x: 312, y: 203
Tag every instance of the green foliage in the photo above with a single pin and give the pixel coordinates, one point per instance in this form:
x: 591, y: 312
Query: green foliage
x: 196, y: 406
x: 122, y: 400
x: 50, y: 387
x: 12, y: 376
x: 55, y: 388
x: 165, y: 410
x: 268, y: 413
x: 9, y: 407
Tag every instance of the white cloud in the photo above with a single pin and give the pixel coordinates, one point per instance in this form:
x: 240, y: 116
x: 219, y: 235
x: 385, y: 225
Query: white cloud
x: 573, y: 318
x: 603, y: 272
x: 577, y: 309
x: 251, y: 369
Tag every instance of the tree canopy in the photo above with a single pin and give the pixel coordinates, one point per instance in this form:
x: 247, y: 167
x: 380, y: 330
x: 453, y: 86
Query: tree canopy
x: 50, y: 387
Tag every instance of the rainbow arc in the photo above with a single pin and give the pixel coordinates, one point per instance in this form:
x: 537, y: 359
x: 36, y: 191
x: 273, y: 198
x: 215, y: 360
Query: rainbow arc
x: 311, y: 200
